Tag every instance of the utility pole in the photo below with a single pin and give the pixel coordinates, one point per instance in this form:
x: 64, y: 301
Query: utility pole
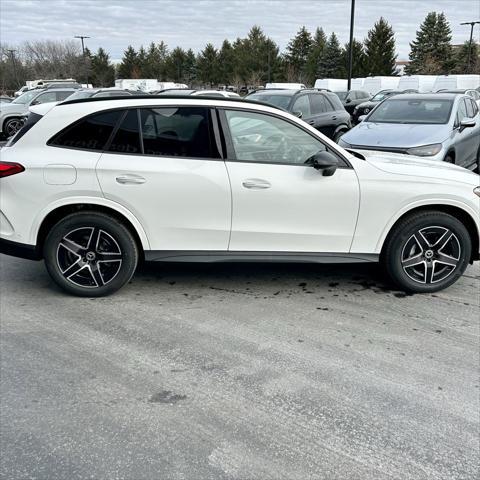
x: 268, y: 63
x: 82, y: 37
x: 350, y: 48
x: 470, y: 45
x: 12, y: 56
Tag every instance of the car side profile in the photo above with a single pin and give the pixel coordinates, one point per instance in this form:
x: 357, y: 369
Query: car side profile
x: 12, y: 114
x: 93, y: 186
x: 351, y: 98
x: 437, y: 126
x: 319, y: 108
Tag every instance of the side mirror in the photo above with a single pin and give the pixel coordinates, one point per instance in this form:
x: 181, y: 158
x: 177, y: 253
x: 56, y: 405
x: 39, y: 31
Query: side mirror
x: 324, y: 161
x: 348, y: 100
x: 298, y: 114
x: 35, y: 102
x: 467, y: 123
x: 361, y: 118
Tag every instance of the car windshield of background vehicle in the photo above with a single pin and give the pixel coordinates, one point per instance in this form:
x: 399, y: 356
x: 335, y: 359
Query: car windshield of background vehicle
x: 416, y: 111
x: 281, y: 101
x: 341, y: 95
x: 26, y: 97
x: 266, y: 139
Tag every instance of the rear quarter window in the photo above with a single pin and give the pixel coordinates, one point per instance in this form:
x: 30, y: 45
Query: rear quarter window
x: 90, y: 133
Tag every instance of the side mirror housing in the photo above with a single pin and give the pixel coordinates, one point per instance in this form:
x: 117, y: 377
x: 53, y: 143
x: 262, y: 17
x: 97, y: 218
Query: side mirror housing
x: 361, y: 118
x: 298, y: 114
x: 325, y: 162
x: 467, y: 123
x: 348, y: 100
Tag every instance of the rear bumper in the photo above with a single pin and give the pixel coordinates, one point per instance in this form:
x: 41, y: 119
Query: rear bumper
x: 21, y: 250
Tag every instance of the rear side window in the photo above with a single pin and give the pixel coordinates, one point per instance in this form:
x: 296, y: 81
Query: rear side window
x: 62, y: 95
x: 90, y: 133
x: 127, y: 137
x: 302, y: 105
x: 333, y: 103
x: 318, y: 103
x: 177, y: 132
x: 470, y: 111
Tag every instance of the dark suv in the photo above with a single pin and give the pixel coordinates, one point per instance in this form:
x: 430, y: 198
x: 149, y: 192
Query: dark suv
x: 319, y: 108
x: 350, y: 99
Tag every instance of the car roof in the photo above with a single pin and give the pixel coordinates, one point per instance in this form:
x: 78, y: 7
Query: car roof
x: 427, y: 96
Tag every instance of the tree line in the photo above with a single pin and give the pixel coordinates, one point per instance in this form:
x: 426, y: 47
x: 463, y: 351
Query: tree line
x: 253, y: 60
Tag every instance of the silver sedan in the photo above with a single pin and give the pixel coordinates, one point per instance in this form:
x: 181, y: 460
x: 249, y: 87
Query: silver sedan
x: 443, y: 126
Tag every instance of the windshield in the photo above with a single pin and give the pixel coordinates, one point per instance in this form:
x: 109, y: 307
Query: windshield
x: 416, y: 111
x: 342, y: 95
x: 380, y: 96
x: 281, y: 101
x: 80, y: 94
x: 26, y: 97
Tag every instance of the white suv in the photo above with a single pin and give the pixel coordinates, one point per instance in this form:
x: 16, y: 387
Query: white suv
x: 94, y: 185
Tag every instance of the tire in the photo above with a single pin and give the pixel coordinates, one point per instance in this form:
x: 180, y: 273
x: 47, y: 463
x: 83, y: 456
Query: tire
x: 90, y: 254
x: 477, y: 168
x: 449, y: 158
x: 427, y: 252
x: 12, y: 126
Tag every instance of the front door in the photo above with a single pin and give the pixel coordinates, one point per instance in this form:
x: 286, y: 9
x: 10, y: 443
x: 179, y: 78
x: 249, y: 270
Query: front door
x: 281, y: 204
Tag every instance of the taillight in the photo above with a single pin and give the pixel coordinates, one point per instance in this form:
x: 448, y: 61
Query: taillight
x: 9, y: 168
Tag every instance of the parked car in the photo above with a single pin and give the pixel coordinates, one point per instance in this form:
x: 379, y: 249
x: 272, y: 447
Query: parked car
x: 475, y: 94
x: 323, y: 110
x: 366, y: 107
x: 5, y: 99
x: 437, y: 126
x: 216, y: 93
x: 234, y: 181
x: 174, y: 91
x: 100, y: 92
x: 350, y: 99
x: 12, y: 114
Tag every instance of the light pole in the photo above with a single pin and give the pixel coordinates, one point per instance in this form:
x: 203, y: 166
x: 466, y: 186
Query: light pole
x: 82, y: 37
x: 472, y: 24
x: 350, y: 48
x: 12, y: 54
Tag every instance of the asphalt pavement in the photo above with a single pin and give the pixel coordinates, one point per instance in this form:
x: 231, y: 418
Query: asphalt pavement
x: 239, y: 372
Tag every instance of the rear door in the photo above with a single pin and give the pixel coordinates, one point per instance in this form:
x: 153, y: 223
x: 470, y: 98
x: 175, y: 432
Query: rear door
x: 323, y: 118
x: 164, y: 166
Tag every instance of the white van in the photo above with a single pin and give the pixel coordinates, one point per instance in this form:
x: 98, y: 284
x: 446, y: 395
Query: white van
x: 422, y: 83
x: 333, y: 84
x: 374, y: 84
x: 143, y: 84
x: 452, y: 82
x: 357, y: 83
x: 287, y: 86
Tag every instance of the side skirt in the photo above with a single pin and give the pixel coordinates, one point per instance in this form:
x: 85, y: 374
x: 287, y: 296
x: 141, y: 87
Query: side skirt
x: 264, y: 257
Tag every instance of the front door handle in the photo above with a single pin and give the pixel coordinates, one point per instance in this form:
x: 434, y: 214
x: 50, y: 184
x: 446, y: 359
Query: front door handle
x: 334, y: 117
x: 311, y: 122
x: 130, y: 179
x: 256, y: 184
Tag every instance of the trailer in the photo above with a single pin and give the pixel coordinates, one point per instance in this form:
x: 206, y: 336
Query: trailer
x: 374, y: 84
x: 333, y: 84
x: 422, y: 83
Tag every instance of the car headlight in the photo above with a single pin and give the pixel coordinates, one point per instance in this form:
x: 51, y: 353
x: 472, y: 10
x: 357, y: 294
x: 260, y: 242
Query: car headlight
x: 425, y: 150
x: 343, y: 143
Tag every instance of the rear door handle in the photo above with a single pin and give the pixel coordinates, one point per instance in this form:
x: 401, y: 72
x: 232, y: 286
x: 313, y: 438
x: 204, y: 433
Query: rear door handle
x: 130, y: 179
x: 311, y: 122
x: 256, y: 184
x: 334, y: 117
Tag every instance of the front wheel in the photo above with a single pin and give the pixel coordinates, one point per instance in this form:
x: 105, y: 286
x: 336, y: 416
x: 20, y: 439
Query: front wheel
x: 90, y: 254
x: 427, y: 252
x: 338, y: 136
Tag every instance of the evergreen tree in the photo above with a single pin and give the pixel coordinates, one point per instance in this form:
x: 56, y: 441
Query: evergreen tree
x: 359, y: 68
x: 331, y: 61
x: 298, y: 52
x: 431, y: 51
x: 461, y: 59
x: 129, y: 65
x: 142, y: 63
x: 380, y: 49
x: 175, y: 65
x: 226, y: 62
x: 190, y: 68
x: 318, y: 46
x: 103, y: 72
x: 207, y: 65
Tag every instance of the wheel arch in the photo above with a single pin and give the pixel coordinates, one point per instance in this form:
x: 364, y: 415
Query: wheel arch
x: 61, y: 211
x: 457, y: 212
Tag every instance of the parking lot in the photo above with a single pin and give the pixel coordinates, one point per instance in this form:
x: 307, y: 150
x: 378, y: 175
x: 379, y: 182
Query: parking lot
x: 239, y: 372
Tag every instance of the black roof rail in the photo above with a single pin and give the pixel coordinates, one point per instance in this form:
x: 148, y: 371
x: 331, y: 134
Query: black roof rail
x: 166, y: 97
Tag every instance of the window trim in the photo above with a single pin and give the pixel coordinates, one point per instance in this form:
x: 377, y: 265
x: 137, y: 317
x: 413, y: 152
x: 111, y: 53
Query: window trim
x: 125, y: 109
x: 231, y: 156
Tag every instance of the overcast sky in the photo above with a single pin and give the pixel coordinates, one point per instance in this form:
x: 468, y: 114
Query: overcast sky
x: 193, y: 23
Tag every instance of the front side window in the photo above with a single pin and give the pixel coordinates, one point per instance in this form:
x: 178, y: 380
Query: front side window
x: 177, y: 132
x: 26, y: 97
x: 263, y: 138
x: 318, y: 103
x: 462, y: 110
x: 90, y: 133
x: 62, y: 95
x: 45, y: 98
x: 302, y: 104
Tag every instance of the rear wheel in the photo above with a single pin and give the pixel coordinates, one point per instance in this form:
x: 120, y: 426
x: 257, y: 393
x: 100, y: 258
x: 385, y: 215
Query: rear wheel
x: 449, y: 158
x: 90, y: 254
x: 12, y: 126
x: 427, y: 252
x: 338, y: 136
